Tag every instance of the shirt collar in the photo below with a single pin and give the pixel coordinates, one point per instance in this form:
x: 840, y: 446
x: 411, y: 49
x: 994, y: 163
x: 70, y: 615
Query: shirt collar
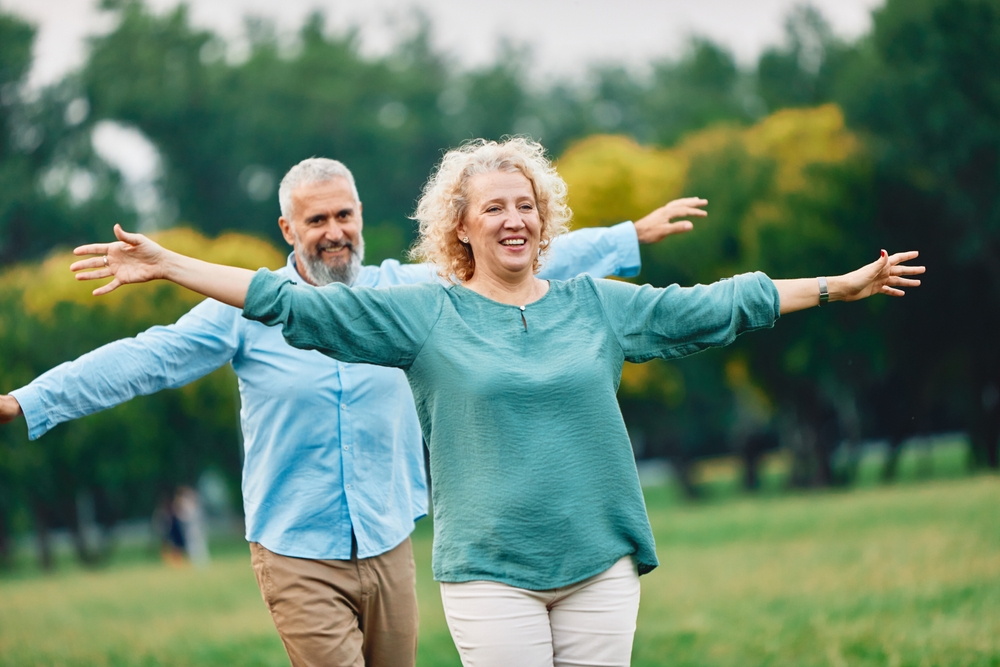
x: 293, y: 269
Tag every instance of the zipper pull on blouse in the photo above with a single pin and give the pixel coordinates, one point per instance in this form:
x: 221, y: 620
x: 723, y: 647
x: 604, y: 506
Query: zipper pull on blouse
x: 523, y: 321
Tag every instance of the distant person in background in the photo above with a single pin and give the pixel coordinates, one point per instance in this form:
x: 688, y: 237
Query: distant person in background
x: 188, y: 510
x: 167, y: 526
x: 540, y: 531
x: 334, y: 476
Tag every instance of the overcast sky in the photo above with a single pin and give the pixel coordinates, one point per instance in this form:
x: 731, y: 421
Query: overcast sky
x: 564, y: 34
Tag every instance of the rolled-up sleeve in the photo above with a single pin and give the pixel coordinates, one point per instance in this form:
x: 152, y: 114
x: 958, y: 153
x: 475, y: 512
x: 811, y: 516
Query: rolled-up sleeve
x: 677, y: 321
x: 385, y: 327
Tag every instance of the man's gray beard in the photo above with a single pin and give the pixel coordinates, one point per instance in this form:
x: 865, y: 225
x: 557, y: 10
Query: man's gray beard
x: 320, y: 273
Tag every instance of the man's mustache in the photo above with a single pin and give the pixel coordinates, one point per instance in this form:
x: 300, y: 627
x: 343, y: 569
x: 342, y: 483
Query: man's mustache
x: 334, y: 245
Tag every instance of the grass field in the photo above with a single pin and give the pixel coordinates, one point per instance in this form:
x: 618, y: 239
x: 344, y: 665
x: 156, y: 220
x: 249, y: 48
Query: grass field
x: 903, y: 576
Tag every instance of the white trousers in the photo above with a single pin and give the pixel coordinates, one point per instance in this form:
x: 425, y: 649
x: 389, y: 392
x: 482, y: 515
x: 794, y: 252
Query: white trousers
x: 587, y: 624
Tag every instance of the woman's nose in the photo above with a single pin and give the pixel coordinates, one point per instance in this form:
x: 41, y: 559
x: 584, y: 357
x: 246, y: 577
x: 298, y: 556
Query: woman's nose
x: 513, y: 219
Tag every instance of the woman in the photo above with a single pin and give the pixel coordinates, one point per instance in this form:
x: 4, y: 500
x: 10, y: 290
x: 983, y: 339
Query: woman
x: 540, y: 527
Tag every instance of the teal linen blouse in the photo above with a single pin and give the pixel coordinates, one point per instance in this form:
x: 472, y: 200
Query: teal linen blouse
x: 534, y: 480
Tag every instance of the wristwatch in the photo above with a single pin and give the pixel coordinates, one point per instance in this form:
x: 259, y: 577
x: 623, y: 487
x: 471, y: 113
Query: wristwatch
x: 824, y: 293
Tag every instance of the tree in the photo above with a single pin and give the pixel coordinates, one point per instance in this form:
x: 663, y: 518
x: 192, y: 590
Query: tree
x: 53, y: 188
x: 127, y: 456
x: 789, y: 196
x: 805, y: 70
x: 228, y: 132
x: 925, y: 88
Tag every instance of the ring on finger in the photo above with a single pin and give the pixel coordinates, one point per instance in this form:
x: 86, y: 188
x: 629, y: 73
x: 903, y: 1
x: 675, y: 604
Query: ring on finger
x: 105, y: 260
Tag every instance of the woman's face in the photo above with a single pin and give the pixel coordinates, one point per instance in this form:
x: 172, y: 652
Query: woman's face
x: 502, y: 224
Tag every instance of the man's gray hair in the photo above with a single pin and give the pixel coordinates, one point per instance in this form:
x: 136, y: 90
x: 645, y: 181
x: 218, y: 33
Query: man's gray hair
x: 312, y: 170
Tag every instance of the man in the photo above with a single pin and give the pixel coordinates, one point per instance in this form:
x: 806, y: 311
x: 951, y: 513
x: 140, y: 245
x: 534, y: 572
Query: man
x: 333, y: 477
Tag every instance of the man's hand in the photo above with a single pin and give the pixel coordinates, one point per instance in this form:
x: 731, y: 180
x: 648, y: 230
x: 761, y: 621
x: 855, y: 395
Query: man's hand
x: 660, y: 223
x: 10, y: 409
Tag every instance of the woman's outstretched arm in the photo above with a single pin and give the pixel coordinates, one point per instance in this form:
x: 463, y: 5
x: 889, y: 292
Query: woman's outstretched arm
x: 883, y: 276
x: 137, y: 259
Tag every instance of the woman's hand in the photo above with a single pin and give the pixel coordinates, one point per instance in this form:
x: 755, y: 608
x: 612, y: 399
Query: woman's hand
x: 660, y: 224
x: 133, y: 259
x: 883, y: 276
x: 136, y: 259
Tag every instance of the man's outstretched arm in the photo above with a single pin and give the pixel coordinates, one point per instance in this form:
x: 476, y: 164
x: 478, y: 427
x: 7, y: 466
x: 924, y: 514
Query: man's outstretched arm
x: 162, y: 357
x: 614, y: 251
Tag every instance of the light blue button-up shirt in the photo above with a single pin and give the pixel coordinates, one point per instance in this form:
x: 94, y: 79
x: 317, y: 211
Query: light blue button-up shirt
x: 331, y: 448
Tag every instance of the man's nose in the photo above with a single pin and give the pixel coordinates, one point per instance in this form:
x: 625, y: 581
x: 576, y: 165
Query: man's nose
x: 333, y: 232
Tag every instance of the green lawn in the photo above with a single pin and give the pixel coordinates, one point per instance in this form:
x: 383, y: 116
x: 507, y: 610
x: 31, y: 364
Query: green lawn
x: 899, y: 576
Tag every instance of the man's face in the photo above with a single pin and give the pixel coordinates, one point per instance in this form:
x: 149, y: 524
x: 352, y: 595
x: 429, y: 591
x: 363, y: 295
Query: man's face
x: 325, y: 230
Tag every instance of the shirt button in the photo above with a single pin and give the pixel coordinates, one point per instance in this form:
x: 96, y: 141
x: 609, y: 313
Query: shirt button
x: 343, y: 407
x: 347, y: 447
x: 348, y: 487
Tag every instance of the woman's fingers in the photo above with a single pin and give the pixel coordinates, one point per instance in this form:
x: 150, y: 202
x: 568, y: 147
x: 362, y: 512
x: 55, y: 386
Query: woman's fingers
x: 891, y: 291
x: 104, y: 289
x: 908, y: 270
x: 95, y: 275
x: 104, y: 248
x: 90, y: 263
x: 127, y: 237
x: 903, y: 256
x: 903, y: 282
x: 92, y: 249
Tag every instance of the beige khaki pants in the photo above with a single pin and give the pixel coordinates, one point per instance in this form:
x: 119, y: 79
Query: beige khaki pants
x: 590, y: 623
x: 342, y: 613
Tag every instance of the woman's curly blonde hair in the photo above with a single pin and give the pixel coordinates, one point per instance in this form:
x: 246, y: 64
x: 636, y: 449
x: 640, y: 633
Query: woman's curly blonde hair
x: 446, y: 198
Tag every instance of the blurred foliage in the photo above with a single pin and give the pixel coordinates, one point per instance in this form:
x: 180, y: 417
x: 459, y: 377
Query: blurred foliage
x: 228, y: 128
x: 813, y: 158
x: 53, y: 188
x: 790, y: 196
x: 128, y: 456
x: 925, y: 88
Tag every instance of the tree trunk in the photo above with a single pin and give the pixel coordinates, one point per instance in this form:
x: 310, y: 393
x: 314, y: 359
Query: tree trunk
x: 42, y: 536
x: 682, y: 467
x: 6, y: 555
x: 890, y: 468
x: 752, y: 451
x: 824, y: 445
x: 751, y: 467
x: 991, y: 429
x: 985, y: 433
